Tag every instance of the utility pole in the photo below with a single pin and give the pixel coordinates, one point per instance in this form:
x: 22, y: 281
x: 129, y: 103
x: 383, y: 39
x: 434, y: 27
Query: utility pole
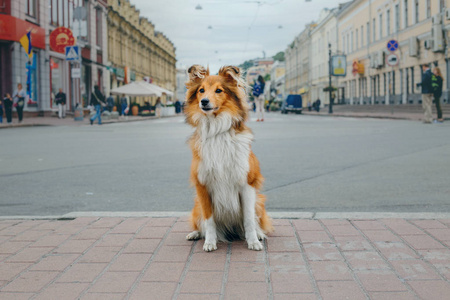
x: 330, y: 106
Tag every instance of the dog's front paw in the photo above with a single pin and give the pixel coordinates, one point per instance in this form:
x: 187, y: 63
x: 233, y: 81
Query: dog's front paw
x: 194, y: 235
x: 256, y: 245
x: 208, y: 246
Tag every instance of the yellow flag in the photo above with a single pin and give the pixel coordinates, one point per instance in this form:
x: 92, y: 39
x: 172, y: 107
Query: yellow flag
x: 25, y: 41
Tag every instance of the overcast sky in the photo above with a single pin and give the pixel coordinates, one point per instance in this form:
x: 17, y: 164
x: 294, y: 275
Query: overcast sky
x: 228, y: 32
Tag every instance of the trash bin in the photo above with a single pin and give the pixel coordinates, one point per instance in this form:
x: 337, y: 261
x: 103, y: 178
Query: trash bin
x: 78, y: 114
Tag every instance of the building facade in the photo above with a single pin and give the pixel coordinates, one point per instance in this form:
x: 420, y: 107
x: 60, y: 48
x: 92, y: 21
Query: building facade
x: 323, y: 39
x: 16, y: 19
x: 182, y: 78
x: 298, y: 65
x: 136, y: 50
x: 378, y: 75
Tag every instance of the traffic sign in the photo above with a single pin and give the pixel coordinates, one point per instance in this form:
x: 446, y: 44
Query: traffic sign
x: 73, y: 53
x: 392, y: 60
x: 392, y: 45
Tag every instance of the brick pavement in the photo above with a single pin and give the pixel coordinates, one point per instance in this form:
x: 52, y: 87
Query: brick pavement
x: 149, y: 258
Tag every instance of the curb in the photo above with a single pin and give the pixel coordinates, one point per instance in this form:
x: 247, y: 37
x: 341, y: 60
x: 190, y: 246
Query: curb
x: 274, y: 215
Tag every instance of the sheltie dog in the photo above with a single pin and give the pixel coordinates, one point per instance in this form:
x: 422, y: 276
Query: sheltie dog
x: 224, y: 170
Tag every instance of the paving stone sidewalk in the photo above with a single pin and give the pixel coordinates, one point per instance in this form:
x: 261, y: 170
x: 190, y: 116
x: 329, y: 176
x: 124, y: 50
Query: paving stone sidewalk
x: 149, y: 258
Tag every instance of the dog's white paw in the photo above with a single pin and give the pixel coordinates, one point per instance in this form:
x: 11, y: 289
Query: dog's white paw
x: 194, y: 235
x: 261, y: 236
x: 256, y: 245
x: 208, y: 246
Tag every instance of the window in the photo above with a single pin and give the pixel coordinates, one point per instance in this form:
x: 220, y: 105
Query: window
x: 99, y: 27
x: 368, y: 34
x: 380, y: 26
x: 397, y: 18
x: 343, y: 44
x: 428, y: 8
x: 416, y: 11
x: 31, y: 8
x: 373, y: 30
x: 356, y: 39
x: 405, y: 4
x: 61, y: 12
x: 351, y: 42
x: 362, y: 36
x: 388, y: 22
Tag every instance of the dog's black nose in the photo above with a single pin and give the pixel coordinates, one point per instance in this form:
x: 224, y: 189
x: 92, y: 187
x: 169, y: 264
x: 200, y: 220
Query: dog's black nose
x: 204, y: 102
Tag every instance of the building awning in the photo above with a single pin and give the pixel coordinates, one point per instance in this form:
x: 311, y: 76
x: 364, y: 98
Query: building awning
x: 13, y: 29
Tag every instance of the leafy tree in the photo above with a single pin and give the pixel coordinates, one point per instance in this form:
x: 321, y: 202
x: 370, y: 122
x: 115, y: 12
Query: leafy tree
x: 279, y: 56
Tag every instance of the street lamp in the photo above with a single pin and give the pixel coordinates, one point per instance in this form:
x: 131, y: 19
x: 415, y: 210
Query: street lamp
x: 330, y: 106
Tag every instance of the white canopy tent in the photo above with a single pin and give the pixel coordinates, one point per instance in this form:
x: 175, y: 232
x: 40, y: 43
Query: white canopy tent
x: 139, y: 89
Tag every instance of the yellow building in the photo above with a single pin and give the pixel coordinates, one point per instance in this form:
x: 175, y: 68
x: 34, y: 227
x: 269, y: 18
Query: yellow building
x: 378, y: 75
x: 136, y: 50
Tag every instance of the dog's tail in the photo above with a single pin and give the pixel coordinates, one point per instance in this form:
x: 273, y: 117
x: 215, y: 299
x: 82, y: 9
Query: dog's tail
x: 265, y: 222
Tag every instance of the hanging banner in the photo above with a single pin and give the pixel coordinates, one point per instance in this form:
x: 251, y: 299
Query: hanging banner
x: 339, y: 65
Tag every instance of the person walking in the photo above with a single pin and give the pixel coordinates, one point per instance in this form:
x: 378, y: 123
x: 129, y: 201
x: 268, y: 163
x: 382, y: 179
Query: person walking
x: 436, y: 84
x: 158, y: 107
x: 258, y: 93
x: 177, y: 107
x: 97, y: 100
x: 19, y: 101
x: 427, y: 94
x: 317, y: 105
x: 124, y: 106
x: 60, y: 100
x: 8, y: 105
x: 110, y: 103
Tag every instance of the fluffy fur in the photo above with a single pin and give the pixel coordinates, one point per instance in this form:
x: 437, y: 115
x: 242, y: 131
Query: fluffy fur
x: 224, y: 171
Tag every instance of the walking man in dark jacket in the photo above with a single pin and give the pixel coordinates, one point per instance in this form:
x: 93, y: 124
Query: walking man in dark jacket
x: 427, y: 94
x: 60, y: 99
x: 97, y: 100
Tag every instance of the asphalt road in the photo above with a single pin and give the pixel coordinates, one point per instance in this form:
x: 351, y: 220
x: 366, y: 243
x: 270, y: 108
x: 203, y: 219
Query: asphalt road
x: 314, y: 164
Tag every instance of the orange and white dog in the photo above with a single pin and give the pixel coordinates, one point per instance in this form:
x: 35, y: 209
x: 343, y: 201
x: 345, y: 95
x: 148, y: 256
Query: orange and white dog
x: 224, y: 170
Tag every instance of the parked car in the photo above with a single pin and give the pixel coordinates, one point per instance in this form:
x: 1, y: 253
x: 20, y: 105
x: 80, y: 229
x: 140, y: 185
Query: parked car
x: 293, y: 103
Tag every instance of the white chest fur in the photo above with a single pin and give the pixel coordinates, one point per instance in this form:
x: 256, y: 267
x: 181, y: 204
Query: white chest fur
x: 224, y: 163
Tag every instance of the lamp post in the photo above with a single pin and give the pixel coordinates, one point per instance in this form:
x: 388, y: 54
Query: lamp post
x: 330, y: 106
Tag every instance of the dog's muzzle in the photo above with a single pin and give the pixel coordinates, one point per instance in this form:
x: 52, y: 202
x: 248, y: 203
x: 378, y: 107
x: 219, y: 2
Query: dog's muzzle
x: 205, y: 105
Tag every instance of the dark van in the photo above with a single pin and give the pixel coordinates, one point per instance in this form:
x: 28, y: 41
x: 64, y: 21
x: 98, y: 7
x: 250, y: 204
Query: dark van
x: 293, y: 103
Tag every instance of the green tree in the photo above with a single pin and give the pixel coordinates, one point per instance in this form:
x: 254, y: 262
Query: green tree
x: 279, y: 56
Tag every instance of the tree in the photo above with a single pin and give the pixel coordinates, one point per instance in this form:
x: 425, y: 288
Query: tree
x: 279, y: 56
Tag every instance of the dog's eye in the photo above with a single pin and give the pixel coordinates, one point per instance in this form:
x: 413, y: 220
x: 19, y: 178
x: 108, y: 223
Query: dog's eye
x: 202, y: 90
x: 218, y: 91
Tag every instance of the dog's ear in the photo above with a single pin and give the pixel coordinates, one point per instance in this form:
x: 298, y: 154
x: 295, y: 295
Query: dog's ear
x: 233, y: 74
x: 197, y: 73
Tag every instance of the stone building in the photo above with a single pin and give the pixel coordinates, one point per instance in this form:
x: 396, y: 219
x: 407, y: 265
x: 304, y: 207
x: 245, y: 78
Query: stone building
x: 298, y: 65
x: 136, y: 50
x: 376, y: 75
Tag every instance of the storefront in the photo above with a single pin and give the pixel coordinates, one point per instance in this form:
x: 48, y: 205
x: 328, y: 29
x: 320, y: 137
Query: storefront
x: 15, y: 65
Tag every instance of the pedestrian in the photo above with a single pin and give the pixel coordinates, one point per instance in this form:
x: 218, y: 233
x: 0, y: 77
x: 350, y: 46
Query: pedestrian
x: 98, y: 101
x: 125, y: 106
x: 158, y: 107
x: 19, y: 101
x: 110, y: 103
x: 317, y: 105
x: 177, y: 106
x: 60, y: 100
x: 437, y: 92
x: 8, y: 104
x: 427, y: 94
x: 258, y: 93
x: 309, y: 105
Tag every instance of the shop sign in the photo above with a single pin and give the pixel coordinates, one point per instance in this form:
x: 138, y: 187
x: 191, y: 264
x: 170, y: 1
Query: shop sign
x: 13, y: 29
x: 339, y: 65
x: 120, y: 73
x: 60, y: 38
x: 357, y: 68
